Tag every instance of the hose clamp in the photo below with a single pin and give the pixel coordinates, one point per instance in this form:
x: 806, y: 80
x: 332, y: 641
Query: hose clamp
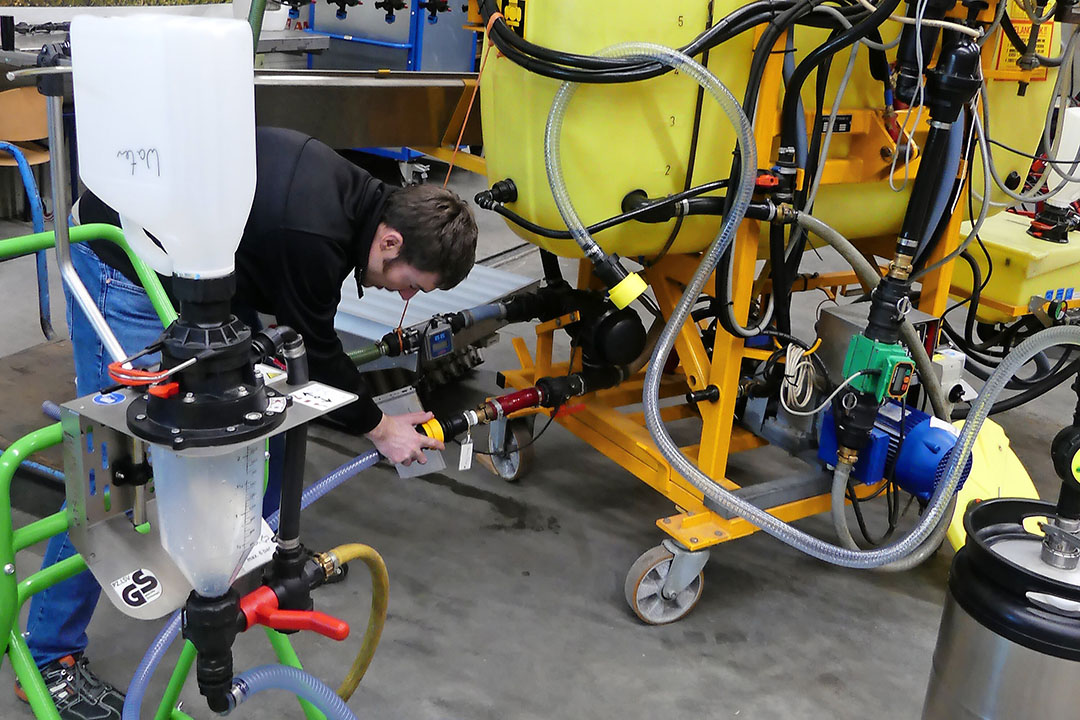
x: 903, y: 307
x: 236, y: 695
x: 291, y: 544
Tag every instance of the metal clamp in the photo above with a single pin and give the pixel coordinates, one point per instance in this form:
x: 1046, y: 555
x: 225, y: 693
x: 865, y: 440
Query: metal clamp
x: 1061, y: 546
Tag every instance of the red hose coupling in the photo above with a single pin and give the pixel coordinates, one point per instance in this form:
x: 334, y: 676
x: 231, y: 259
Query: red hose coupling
x: 260, y: 607
x: 512, y: 402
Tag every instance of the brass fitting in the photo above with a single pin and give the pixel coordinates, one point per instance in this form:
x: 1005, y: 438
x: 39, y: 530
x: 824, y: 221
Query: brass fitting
x: 486, y: 413
x: 847, y: 455
x: 328, y: 562
x: 786, y: 213
x: 901, y: 266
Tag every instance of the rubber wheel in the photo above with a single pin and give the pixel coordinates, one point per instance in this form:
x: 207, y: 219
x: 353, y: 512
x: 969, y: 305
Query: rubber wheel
x: 643, y: 588
x: 510, y: 461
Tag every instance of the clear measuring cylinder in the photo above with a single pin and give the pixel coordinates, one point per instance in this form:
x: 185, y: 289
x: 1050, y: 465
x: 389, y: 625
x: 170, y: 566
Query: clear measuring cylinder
x: 209, y: 503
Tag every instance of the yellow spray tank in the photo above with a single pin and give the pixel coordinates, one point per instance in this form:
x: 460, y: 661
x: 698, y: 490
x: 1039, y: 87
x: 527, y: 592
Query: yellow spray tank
x: 625, y: 137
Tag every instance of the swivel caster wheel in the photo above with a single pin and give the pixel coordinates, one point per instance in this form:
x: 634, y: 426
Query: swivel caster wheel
x: 665, y: 583
x: 511, y: 448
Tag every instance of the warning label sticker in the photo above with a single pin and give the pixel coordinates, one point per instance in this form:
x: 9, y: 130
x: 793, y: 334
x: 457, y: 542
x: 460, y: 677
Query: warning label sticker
x: 1008, y: 57
x: 322, y: 397
x: 137, y: 588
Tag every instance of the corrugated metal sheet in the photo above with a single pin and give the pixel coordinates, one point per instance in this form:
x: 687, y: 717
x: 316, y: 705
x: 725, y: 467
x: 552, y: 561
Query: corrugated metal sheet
x: 378, y: 312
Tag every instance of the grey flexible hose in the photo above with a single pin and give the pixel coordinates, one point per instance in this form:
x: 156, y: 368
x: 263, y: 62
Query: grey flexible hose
x: 869, y: 277
x: 839, y: 516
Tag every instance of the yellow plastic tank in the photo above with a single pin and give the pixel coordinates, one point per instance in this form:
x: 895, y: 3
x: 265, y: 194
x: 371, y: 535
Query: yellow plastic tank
x: 1024, y: 267
x: 620, y: 138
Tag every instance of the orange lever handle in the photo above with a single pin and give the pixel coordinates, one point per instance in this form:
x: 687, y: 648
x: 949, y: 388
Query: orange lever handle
x: 314, y: 621
x: 261, y: 608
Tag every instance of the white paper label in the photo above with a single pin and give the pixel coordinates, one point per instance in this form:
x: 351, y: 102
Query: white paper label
x: 321, y: 397
x: 465, y: 460
x: 263, y: 551
x: 277, y: 404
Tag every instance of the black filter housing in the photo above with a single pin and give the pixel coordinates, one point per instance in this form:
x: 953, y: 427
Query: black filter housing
x: 218, y: 399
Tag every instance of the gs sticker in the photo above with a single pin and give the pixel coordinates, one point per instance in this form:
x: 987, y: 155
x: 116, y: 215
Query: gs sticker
x: 137, y: 588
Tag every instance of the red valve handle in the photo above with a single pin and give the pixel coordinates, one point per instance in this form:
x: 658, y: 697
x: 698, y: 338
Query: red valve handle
x: 261, y: 608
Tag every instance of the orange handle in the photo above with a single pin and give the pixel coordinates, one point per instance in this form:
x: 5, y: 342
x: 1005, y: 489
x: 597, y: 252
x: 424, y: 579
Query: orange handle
x: 260, y: 607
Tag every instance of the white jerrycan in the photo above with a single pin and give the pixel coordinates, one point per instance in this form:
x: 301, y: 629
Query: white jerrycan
x: 165, y: 121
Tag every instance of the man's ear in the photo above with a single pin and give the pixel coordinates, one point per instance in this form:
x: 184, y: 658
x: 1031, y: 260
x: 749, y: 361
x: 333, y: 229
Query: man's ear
x: 391, y: 239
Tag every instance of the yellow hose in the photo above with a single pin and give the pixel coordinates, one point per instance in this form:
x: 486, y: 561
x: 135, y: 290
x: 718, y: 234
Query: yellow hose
x: 380, y: 590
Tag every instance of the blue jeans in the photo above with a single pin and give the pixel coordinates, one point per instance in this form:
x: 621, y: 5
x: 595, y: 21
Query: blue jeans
x: 60, y: 615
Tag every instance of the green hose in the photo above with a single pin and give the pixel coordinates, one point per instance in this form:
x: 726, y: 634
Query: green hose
x: 371, y: 353
x: 255, y: 20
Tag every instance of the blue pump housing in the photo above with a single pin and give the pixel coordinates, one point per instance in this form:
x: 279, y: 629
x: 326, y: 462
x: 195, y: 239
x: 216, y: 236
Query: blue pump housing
x: 918, y: 464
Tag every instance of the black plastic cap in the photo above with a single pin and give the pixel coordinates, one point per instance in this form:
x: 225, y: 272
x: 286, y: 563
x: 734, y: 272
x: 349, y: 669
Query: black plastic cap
x: 954, y: 81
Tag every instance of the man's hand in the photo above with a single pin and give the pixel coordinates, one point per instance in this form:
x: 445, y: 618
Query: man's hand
x: 395, y: 437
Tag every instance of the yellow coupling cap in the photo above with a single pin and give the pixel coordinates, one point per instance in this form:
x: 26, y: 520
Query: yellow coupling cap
x: 627, y: 290
x: 433, y: 429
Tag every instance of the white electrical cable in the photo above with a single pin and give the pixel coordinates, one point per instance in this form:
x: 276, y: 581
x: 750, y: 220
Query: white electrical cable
x: 824, y: 154
x: 797, y: 389
x: 920, y: 96
x: 846, y: 24
x: 827, y: 401
x: 973, y: 32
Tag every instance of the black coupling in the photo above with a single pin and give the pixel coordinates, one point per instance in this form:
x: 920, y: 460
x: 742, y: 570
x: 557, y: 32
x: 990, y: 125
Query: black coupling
x: 556, y: 391
x: 504, y: 191
x: 954, y: 80
x: 291, y: 575
x: 285, y: 341
x: 888, y: 306
x: 1063, y: 451
x: 854, y: 412
x: 206, y: 301
x: 211, y: 625
x: 54, y: 55
x: 609, y: 270
x: 711, y: 205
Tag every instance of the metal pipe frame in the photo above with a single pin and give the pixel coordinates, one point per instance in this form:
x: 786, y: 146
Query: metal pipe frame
x: 58, y: 172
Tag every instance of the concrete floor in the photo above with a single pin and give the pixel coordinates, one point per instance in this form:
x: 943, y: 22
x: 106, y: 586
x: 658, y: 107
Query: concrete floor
x: 507, y: 600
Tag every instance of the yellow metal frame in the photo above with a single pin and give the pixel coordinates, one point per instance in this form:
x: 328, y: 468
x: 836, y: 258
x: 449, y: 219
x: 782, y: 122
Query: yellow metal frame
x: 602, y: 419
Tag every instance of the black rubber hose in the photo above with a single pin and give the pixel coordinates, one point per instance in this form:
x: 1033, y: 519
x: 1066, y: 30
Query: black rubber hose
x: 611, y: 222
x: 758, y: 61
x: 555, y: 63
x: 954, y: 198
x: 1034, y: 393
x: 550, y: 261
x: 292, y: 483
x: 626, y: 70
x: 827, y: 49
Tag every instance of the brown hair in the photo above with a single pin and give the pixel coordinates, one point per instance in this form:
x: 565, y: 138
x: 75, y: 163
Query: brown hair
x: 437, y: 229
